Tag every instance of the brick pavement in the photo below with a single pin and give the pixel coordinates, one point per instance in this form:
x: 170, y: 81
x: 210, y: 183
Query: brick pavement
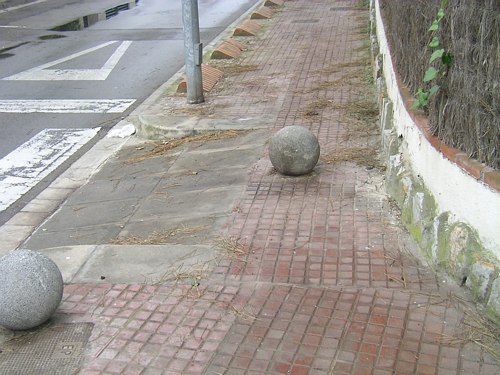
x: 326, y: 283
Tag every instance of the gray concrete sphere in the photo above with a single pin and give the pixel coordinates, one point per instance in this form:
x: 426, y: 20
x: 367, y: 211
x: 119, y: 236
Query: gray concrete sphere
x: 31, y: 289
x: 294, y: 151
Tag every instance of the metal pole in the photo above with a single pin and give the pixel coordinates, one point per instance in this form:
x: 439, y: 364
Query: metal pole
x: 193, y: 51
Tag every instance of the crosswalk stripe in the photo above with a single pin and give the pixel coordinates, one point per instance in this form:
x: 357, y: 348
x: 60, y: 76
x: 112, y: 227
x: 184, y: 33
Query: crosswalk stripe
x: 66, y: 106
x: 31, y: 162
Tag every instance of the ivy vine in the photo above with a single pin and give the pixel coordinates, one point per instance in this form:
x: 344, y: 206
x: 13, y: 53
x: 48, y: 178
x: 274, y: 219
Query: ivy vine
x: 435, y: 70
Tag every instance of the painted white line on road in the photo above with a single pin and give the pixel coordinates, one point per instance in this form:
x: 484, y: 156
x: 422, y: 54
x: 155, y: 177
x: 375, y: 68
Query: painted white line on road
x: 21, y: 6
x: 34, y: 160
x: 42, y: 73
x: 116, y: 56
x: 66, y: 106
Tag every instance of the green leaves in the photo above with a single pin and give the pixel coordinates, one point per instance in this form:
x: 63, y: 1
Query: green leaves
x: 430, y: 74
x: 434, y: 26
x: 447, y: 58
x: 434, y: 42
x: 434, y: 89
x: 423, y: 96
x: 440, y: 14
x: 438, y: 54
x: 422, y: 99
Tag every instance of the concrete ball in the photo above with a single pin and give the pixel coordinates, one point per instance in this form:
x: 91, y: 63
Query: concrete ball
x: 294, y: 151
x: 31, y: 289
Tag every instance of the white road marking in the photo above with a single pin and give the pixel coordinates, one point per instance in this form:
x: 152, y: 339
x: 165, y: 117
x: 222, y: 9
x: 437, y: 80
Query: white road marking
x: 66, y: 106
x: 42, y: 73
x: 21, y: 6
x: 31, y: 162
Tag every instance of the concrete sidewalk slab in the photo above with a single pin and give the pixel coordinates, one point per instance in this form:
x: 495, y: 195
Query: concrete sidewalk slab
x: 179, y: 196
x: 154, y: 263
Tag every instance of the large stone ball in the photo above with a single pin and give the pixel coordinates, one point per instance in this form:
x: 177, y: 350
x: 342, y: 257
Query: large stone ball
x: 31, y: 289
x: 294, y: 151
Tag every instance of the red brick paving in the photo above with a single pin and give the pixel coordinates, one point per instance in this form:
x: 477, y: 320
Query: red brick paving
x: 327, y: 286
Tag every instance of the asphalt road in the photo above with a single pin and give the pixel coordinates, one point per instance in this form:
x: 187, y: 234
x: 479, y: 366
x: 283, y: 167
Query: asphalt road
x: 86, y: 79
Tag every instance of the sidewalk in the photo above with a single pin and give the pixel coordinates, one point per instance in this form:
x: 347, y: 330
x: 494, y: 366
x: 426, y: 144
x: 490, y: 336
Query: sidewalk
x: 197, y: 258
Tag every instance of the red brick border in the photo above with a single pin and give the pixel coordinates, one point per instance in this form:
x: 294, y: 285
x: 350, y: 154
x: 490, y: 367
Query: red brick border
x: 274, y: 3
x: 247, y: 28
x: 210, y: 77
x: 262, y: 13
x: 226, y: 51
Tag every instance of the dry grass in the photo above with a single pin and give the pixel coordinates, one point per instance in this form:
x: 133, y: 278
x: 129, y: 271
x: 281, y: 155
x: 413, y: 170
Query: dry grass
x: 355, y: 74
x: 363, y: 156
x: 159, y: 238
x: 241, y: 313
x: 474, y: 328
x: 237, y: 68
x: 195, y: 273
x: 314, y: 108
x: 160, y: 148
x: 349, y: 64
x: 397, y: 279
x: 364, y: 110
x: 327, y: 85
x: 232, y: 248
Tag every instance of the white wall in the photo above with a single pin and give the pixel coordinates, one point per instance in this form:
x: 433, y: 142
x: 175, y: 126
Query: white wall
x: 455, y: 191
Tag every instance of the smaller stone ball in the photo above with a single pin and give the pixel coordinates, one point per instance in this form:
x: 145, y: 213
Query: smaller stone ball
x: 294, y: 151
x: 31, y: 289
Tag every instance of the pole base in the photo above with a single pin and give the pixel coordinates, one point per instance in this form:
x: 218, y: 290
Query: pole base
x: 196, y: 101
